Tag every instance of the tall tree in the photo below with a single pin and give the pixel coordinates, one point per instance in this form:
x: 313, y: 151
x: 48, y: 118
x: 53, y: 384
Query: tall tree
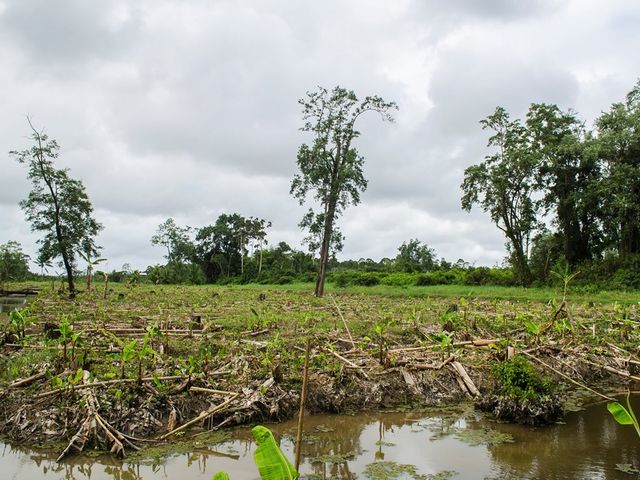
x: 503, y: 186
x: 57, y: 206
x: 176, y: 240
x: 619, y: 142
x: 415, y: 256
x: 331, y: 167
x: 222, y: 247
x: 568, y: 176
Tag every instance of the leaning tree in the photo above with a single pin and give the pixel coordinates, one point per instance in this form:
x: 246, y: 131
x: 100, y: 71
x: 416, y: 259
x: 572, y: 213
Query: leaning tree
x: 331, y: 167
x: 57, y: 206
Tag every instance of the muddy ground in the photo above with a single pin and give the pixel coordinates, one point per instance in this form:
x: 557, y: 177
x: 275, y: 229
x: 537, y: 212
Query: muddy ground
x: 127, y: 368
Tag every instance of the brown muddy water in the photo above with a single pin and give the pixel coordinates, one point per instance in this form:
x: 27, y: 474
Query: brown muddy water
x: 409, y: 445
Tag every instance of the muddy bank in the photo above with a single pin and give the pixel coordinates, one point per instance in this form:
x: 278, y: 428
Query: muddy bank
x: 122, y: 417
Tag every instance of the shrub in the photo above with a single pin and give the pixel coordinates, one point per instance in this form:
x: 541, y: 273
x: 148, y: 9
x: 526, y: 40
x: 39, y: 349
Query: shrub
x: 518, y: 380
x: 284, y: 280
x: 397, y: 279
x: 367, y: 279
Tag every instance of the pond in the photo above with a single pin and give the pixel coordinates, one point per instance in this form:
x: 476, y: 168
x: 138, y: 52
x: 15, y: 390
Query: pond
x: 453, y: 443
x: 11, y: 302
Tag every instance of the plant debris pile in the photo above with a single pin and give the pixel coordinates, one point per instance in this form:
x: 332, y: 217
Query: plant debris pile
x: 139, y: 365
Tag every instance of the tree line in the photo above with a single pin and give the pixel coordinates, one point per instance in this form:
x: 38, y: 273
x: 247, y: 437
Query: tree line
x: 562, y: 193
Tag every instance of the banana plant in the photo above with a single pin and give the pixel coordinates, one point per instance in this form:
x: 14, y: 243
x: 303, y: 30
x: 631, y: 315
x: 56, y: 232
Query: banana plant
x: 91, y: 263
x: 624, y: 416
x: 271, y: 462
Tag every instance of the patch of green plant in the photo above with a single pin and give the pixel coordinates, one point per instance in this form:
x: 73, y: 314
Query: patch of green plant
x: 627, y: 468
x: 519, y: 380
x: 482, y: 436
x: 391, y: 471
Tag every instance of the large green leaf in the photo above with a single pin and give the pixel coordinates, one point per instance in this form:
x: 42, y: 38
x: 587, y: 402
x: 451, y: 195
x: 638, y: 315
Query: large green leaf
x: 622, y: 416
x: 271, y: 462
x: 221, y: 476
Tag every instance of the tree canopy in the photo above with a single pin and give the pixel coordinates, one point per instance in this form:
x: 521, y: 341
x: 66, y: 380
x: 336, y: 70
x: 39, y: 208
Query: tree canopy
x: 551, y: 171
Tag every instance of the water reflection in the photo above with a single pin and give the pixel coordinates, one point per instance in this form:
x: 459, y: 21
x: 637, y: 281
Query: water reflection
x: 587, y: 446
x: 10, y: 303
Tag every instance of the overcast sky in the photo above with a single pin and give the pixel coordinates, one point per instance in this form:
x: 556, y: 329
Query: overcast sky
x: 188, y: 108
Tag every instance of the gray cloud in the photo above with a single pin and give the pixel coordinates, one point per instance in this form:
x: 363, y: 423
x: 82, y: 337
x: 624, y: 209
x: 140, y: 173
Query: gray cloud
x: 189, y: 108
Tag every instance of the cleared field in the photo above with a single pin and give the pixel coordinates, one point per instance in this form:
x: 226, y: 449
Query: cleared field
x: 147, y: 359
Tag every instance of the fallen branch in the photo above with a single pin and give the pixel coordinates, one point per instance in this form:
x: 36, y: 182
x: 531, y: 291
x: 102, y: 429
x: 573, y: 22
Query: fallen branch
x: 469, y: 343
x: 612, y: 370
x: 79, y: 439
x: 25, y: 381
x: 566, y: 377
x: 347, y: 361
x: 466, y: 379
x: 427, y: 366
x: 117, y: 446
x: 211, y: 390
x: 106, y: 382
x: 200, y: 417
x: 344, y: 322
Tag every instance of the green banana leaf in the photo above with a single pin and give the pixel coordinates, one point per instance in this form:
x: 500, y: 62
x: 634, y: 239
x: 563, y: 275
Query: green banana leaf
x: 621, y: 414
x: 271, y: 462
x: 221, y: 476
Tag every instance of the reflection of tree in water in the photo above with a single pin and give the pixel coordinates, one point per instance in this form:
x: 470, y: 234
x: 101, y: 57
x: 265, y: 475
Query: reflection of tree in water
x: 333, y: 440
x: 590, y: 440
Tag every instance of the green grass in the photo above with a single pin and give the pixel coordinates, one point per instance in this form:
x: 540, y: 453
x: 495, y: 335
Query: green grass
x: 455, y: 291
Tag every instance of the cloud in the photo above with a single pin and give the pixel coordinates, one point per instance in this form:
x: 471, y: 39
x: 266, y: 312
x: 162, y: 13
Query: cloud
x: 189, y: 108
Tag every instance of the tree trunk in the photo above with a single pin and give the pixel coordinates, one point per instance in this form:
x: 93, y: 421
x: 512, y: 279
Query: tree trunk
x: 69, y: 268
x: 521, y: 263
x: 89, y: 277
x: 324, y: 250
x: 63, y: 251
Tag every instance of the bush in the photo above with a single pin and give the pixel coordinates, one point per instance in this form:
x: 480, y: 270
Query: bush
x: 367, y: 279
x: 398, y: 279
x: 354, y: 277
x: 489, y: 276
x: 176, y: 273
x: 439, y: 277
x: 284, y: 280
x: 518, y: 380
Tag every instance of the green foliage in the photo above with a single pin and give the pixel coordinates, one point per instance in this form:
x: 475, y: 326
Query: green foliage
x: 222, y: 249
x: 67, y: 336
x: 57, y: 206
x: 271, y: 462
x: 331, y: 169
x: 503, y: 185
x: 175, y: 273
x: 587, y: 181
x: 618, y: 147
x: 18, y: 321
x: 176, y: 240
x: 13, y: 262
x: 414, y: 256
x: 624, y: 416
x: 518, y: 380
